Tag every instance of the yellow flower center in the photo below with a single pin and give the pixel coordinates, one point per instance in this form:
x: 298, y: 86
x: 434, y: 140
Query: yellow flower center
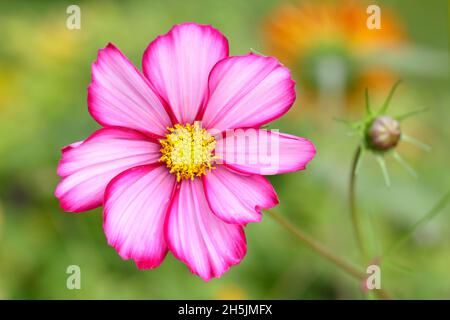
x: 187, y: 151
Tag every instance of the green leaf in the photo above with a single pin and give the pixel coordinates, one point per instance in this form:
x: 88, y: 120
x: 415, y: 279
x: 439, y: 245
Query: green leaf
x: 404, y: 164
x: 426, y: 218
x: 411, y: 113
x: 416, y: 142
x: 384, y: 170
x: 388, y: 100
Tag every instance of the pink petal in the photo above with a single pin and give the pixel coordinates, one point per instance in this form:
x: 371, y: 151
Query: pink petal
x: 178, y: 65
x: 248, y: 91
x: 238, y: 198
x: 119, y: 95
x: 197, y: 237
x: 87, y: 167
x: 263, y: 152
x: 136, y: 203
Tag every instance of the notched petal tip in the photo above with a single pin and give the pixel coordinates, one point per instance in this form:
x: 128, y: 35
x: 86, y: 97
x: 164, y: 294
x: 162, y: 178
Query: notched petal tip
x: 86, y: 168
x: 248, y: 91
x: 312, y: 152
x: 214, y: 247
x: 271, y: 153
x: 134, y: 211
x: 178, y: 64
x: 120, y: 95
x: 238, y: 198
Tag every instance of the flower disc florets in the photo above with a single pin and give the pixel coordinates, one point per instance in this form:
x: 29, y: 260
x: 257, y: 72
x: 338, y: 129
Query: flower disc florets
x: 188, y: 151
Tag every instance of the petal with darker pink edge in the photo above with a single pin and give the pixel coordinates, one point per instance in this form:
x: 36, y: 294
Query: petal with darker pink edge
x: 178, y: 65
x: 238, y: 198
x: 87, y: 167
x: 247, y: 91
x: 136, y: 203
x: 257, y: 151
x: 119, y: 95
x: 208, y: 245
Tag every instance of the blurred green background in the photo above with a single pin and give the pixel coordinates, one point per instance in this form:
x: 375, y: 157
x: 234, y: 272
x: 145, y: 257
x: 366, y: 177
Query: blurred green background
x: 44, y: 73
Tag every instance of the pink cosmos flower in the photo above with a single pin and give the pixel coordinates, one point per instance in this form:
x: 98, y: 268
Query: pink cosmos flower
x: 171, y: 164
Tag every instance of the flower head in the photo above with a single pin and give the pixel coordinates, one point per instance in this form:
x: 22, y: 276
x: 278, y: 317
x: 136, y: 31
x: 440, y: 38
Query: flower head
x: 381, y: 133
x: 188, y: 151
x: 178, y: 165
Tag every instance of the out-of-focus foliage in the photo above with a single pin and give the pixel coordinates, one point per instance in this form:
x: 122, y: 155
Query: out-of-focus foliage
x: 44, y: 73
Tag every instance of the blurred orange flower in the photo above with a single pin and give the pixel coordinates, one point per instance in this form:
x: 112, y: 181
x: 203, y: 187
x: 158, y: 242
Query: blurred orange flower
x: 328, y: 45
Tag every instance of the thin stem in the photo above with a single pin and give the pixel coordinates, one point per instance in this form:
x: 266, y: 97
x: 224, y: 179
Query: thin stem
x: 343, y: 264
x: 352, y: 204
x: 319, y: 248
x: 358, y: 163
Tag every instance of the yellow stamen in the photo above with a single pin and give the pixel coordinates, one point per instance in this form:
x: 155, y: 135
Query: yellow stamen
x: 187, y: 151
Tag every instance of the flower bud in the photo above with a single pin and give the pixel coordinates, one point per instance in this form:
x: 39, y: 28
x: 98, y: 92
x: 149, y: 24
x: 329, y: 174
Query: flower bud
x: 383, y: 133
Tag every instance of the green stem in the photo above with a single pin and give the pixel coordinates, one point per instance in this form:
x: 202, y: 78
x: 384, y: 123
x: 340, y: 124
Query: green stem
x: 356, y: 221
x: 343, y: 264
x: 319, y: 248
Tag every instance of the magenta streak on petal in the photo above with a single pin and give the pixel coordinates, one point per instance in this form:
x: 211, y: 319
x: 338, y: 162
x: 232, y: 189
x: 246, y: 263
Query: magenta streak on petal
x: 257, y: 151
x: 178, y: 65
x: 187, y: 76
x: 119, y: 95
x: 247, y: 91
x: 136, y: 203
x: 87, y: 167
x: 206, y: 244
x: 238, y: 198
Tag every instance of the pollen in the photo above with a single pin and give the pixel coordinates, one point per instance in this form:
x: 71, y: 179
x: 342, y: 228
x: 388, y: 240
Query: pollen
x: 187, y: 151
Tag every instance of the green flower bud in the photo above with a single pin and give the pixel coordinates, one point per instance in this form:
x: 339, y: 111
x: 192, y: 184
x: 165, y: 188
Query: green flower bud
x: 383, y: 133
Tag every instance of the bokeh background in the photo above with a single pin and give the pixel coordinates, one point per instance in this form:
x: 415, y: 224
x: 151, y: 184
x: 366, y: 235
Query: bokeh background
x: 44, y: 73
